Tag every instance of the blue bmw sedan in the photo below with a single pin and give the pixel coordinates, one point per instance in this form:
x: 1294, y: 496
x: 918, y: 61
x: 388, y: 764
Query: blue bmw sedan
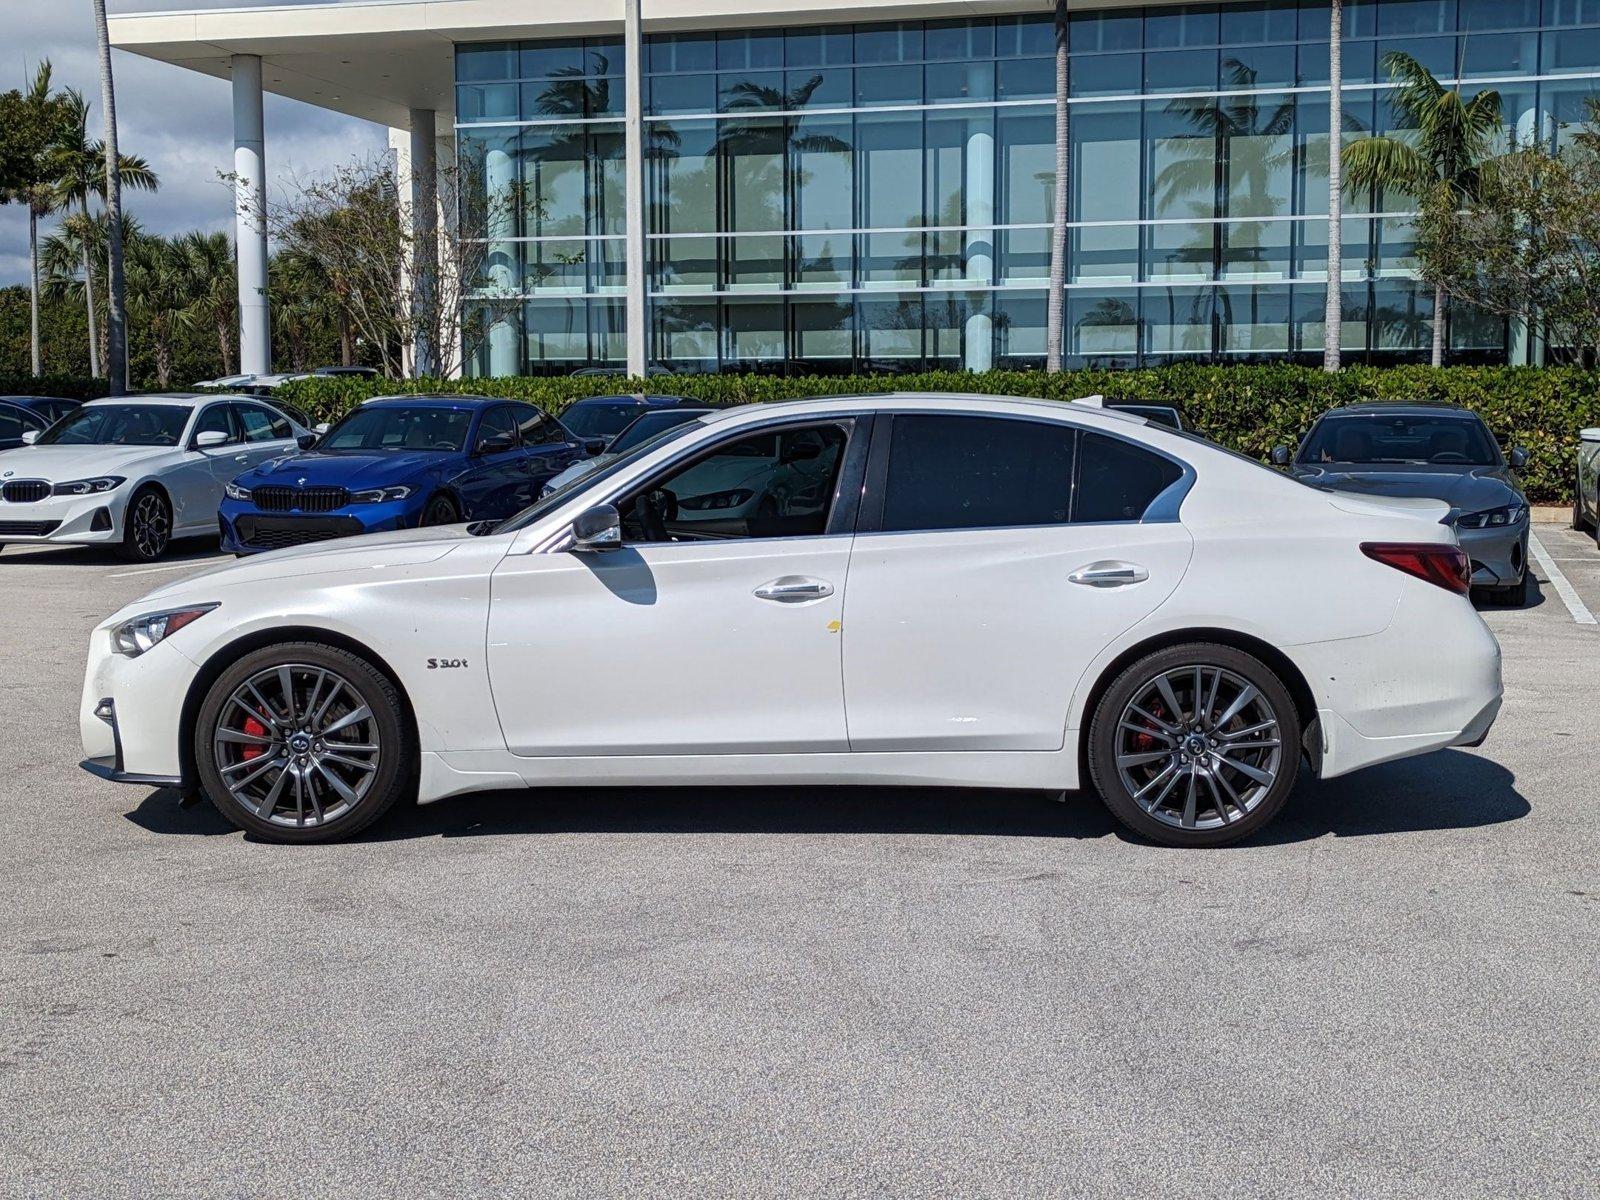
x: 397, y: 463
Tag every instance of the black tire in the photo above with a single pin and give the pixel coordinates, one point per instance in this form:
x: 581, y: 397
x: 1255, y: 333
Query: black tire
x: 441, y: 510
x: 393, y: 778
x: 146, y: 526
x: 1514, y: 596
x: 1579, y: 521
x: 1106, y: 728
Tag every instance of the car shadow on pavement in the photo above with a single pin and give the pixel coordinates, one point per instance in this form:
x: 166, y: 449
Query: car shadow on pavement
x: 201, y: 551
x: 1448, y: 790
x: 1535, y: 597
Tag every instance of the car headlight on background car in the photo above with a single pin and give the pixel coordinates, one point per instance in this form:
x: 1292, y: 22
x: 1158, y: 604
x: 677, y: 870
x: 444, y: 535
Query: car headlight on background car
x: 235, y: 492
x: 379, y: 495
x: 1490, y: 518
x: 89, y: 487
x: 142, y: 633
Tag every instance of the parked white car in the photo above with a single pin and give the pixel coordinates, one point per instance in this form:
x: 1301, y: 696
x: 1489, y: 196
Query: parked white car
x: 1586, y: 489
x: 136, y: 472
x: 988, y: 591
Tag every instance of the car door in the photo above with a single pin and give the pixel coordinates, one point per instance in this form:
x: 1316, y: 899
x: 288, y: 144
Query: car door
x: 195, y: 483
x: 496, y: 478
x: 682, y: 641
x: 995, y: 559
x: 547, y: 448
x: 266, y: 433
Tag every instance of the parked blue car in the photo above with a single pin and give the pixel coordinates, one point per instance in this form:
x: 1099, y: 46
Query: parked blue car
x: 397, y: 463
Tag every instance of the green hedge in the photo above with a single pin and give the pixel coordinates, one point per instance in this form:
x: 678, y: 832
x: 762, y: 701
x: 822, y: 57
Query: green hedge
x: 69, y: 387
x: 1248, y: 408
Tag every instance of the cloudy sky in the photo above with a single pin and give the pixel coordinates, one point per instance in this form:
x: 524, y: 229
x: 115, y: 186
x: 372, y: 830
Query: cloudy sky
x: 179, y: 120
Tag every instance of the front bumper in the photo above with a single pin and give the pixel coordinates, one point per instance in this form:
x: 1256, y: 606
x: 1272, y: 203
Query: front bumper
x: 1499, y: 554
x: 131, y: 710
x: 75, y: 519
x: 245, y: 529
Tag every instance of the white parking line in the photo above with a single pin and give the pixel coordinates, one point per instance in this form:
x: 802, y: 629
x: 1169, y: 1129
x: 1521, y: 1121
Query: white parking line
x: 197, y: 564
x: 1575, y: 605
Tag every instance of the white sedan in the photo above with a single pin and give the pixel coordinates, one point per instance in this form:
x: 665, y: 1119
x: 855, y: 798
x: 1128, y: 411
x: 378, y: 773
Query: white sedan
x: 988, y: 592
x: 137, y: 472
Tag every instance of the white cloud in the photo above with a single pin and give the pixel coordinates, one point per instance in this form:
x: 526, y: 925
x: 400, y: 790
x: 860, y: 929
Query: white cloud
x: 179, y: 120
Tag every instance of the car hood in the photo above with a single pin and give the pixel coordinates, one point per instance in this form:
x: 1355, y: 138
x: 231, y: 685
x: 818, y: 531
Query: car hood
x: 344, y: 470
x: 1465, y: 489
x: 399, y: 548
x: 57, y: 463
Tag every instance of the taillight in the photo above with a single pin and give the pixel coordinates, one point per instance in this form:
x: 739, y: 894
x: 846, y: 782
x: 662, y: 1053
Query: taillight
x: 1445, y: 566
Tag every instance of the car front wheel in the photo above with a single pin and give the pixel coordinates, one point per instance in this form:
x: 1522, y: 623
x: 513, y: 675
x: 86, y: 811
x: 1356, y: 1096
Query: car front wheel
x: 304, y: 742
x: 147, y: 527
x: 1195, y: 745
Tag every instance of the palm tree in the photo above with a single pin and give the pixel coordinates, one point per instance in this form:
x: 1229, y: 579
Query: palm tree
x: 161, y: 293
x: 1056, y: 308
x: 1333, y: 311
x: 40, y: 107
x: 210, y: 262
x: 61, y: 258
x: 117, y: 331
x: 1438, y: 157
x: 79, y: 165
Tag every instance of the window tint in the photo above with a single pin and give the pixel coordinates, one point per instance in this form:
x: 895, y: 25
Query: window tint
x: 497, y: 432
x: 10, y: 424
x: 214, y: 420
x: 1117, y: 480
x: 764, y: 486
x: 261, y: 424
x: 959, y: 472
x: 535, y: 428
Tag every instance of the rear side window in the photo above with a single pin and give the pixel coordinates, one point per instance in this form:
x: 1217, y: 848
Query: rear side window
x: 534, y: 427
x: 961, y: 472
x: 262, y: 424
x: 10, y: 424
x: 1117, y: 480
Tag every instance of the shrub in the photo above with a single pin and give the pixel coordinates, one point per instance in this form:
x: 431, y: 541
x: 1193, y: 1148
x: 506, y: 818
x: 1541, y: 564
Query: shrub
x: 1246, y: 408
x: 69, y: 387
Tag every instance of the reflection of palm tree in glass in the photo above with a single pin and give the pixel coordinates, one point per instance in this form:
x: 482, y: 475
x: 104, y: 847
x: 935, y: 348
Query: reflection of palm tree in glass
x: 1109, y: 314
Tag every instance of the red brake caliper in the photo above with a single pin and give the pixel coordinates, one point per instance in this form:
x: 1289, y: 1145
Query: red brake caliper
x: 255, y: 729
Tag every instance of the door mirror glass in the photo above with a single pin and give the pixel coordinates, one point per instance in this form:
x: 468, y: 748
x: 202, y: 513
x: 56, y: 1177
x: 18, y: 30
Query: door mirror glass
x: 1518, y: 458
x: 597, y: 528
x: 30, y: 436
x: 1280, y: 456
x: 208, y: 439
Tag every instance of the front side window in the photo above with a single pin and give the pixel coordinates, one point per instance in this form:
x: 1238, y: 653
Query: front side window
x: 969, y: 472
x: 766, y: 485
x: 497, y: 432
x: 119, y: 425
x: 262, y: 424
x: 420, y: 428
x: 215, y: 420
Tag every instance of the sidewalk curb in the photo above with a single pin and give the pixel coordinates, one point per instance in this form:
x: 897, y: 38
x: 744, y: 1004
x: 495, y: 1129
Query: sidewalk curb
x: 1549, y: 514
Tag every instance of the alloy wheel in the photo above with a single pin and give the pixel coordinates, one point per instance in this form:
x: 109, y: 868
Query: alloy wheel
x: 297, y: 745
x: 1198, y: 747
x: 150, y: 525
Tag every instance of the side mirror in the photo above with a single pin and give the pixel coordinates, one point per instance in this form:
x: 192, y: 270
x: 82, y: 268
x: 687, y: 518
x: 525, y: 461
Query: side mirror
x: 210, y: 439
x: 597, y: 528
x: 30, y: 436
x: 1518, y: 458
x: 306, y: 440
x: 593, y: 446
x: 321, y: 428
x: 1584, y: 435
x: 498, y: 444
x: 1280, y: 456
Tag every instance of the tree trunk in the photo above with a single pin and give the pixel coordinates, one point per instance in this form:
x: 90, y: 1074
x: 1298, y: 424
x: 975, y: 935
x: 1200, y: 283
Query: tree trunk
x: 88, y: 294
x: 1439, y: 313
x: 33, y: 289
x: 116, y: 324
x: 1333, y: 313
x: 223, y: 344
x: 1055, y: 329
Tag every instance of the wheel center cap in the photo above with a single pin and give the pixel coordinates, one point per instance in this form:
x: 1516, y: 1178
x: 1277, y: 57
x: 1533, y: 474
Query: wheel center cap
x: 1196, y: 745
x: 300, y: 743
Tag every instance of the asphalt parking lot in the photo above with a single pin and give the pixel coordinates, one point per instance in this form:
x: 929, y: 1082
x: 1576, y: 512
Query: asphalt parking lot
x: 795, y: 992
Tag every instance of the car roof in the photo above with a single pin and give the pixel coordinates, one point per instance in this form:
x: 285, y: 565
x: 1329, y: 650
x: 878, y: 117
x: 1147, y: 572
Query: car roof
x: 955, y: 402
x: 1401, y: 408
x: 648, y: 399
x: 176, y: 399
x: 440, y: 401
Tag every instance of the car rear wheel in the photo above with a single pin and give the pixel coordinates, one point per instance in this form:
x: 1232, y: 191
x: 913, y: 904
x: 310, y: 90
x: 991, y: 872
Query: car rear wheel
x: 1195, y: 745
x: 441, y: 510
x: 304, y: 743
x: 147, y: 526
x: 1514, y: 596
x: 1579, y: 521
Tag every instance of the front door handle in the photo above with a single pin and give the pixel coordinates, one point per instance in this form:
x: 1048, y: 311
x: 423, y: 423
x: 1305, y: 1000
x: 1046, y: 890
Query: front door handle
x: 1109, y: 573
x: 794, y: 589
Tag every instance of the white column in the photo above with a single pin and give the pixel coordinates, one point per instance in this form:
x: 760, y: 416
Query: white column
x: 424, y: 187
x: 500, y: 171
x: 250, y: 227
x: 978, y: 341
x: 638, y: 332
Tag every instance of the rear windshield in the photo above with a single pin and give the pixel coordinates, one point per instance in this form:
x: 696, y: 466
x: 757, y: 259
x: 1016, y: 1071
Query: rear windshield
x: 652, y: 423
x: 1380, y: 438
x: 601, y: 419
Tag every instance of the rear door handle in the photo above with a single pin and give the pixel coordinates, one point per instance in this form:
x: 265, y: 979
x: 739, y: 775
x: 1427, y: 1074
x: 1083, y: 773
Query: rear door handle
x: 794, y: 589
x: 1109, y: 573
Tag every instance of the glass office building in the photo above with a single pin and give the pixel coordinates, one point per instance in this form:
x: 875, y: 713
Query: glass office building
x: 880, y: 197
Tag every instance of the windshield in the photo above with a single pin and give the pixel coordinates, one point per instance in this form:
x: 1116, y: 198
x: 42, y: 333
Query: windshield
x: 118, y: 425
x: 652, y: 423
x: 599, y: 475
x: 600, y: 418
x: 420, y: 428
x: 1374, y: 438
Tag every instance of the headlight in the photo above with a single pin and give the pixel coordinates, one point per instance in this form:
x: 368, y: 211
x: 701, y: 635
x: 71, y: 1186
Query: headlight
x: 379, y: 495
x: 235, y: 492
x: 134, y: 637
x: 1489, y: 518
x: 89, y: 487
x: 731, y: 499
